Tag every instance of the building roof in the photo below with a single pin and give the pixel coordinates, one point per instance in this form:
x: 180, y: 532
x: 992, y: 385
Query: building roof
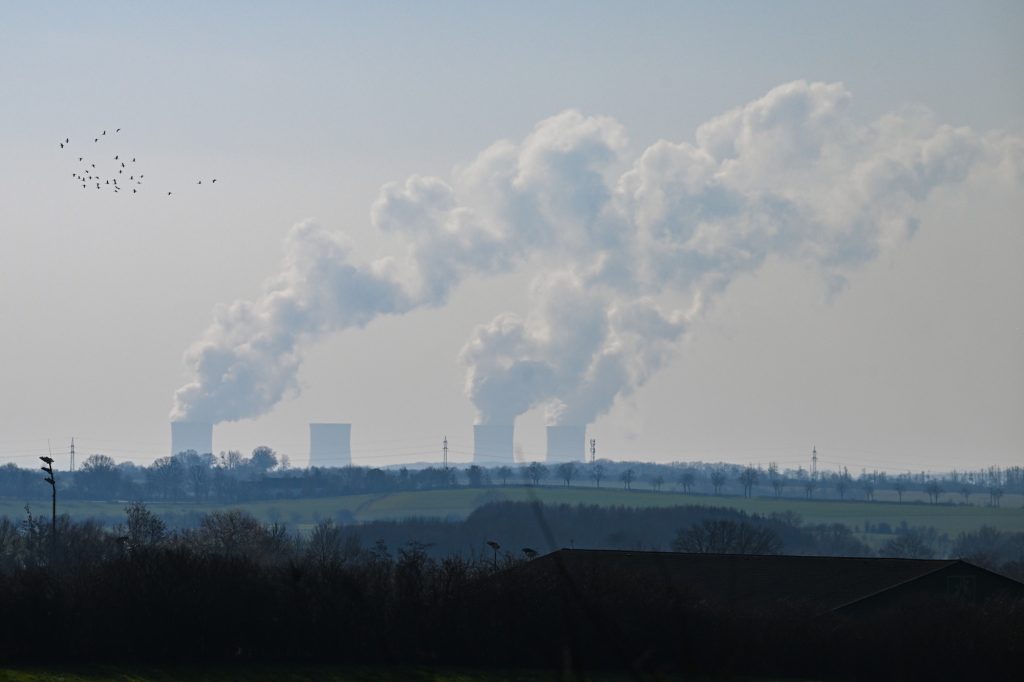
x: 825, y: 583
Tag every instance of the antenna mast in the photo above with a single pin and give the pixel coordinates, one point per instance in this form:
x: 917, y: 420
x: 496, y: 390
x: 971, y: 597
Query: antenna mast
x: 444, y: 446
x: 593, y: 450
x: 814, y: 462
x: 72, y: 453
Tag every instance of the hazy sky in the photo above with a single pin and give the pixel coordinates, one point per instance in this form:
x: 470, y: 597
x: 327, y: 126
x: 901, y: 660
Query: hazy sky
x: 304, y: 111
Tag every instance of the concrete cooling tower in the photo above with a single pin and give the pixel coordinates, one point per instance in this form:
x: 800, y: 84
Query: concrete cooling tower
x: 196, y: 436
x: 567, y: 443
x: 330, y: 445
x: 492, y: 444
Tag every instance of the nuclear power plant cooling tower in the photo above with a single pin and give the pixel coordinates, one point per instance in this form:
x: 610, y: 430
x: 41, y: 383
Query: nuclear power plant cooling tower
x: 492, y: 444
x: 567, y: 443
x: 196, y: 436
x: 330, y: 445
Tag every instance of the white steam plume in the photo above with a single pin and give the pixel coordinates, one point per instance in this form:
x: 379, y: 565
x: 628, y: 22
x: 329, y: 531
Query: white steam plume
x: 790, y: 174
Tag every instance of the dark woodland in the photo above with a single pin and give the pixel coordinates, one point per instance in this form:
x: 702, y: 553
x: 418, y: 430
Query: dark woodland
x: 234, y: 590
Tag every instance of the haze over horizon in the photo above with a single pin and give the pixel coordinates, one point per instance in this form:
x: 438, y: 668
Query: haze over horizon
x: 717, y: 233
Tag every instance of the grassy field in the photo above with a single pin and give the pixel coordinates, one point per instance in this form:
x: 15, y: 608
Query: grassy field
x: 314, y: 674
x: 459, y: 502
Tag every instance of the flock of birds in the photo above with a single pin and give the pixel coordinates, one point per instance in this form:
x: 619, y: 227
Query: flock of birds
x: 127, y: 177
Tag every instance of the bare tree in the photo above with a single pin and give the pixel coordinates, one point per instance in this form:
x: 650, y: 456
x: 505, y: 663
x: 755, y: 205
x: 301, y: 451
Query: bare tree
x: 627, y: 477
x: 748, y: 478
x: 717, y: 480
x: 566, y: 472
x: 900, y: 486
x: 657, y: 481
x: 145, y: 529
x: 727, y: 537
x: 503, y: 472
x: 842, y: 482
x: 597, y: 473
x: 535, y: 472
x: 686, y: 480
x: 934, y: 489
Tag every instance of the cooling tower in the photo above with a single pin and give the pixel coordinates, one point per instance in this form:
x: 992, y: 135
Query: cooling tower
x: 196, y: 436
x: 567, y: 443
x: 330, y: 445
x: 492, y: 444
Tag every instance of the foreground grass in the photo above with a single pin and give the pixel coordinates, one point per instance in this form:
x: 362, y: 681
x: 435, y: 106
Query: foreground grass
x: 313, y: 674
x: 460, y: 502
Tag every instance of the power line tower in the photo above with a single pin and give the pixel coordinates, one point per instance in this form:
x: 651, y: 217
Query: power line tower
x: 814, y: 462
x: 593, y: 450
x: 72, y: 454
x: 444, y: 447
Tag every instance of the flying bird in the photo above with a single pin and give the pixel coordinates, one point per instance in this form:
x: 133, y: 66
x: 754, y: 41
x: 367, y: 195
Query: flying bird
x: 168, y: 194
x: 67, y: 140
x: 79, y: 158
x: 134, y: 191
x: 104, y: 132
x: 214, y: 180
x: 115, y: 157
x: 96, y: 139
x: 62, y: 145
x: 118, y: 130
x: 133, y: 159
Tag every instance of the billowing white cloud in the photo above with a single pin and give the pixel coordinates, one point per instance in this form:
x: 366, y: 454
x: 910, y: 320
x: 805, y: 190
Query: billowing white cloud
x: 790, y: 175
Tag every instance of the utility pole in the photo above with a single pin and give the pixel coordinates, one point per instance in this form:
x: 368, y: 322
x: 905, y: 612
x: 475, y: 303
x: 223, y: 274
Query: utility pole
x: 444, y: 446
x: 593, y: 450
x: 53, y: 484
x: 72, y: 454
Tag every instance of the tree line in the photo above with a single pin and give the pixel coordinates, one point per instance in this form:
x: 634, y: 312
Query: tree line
x: 232, y: 477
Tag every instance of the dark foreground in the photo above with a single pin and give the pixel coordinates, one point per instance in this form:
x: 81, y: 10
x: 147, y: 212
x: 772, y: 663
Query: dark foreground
x: 240, y: 600
x: 293, y: 674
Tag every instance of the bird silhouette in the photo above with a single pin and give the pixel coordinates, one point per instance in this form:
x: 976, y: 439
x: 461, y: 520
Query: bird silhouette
x: 94, y: 165
x: 118, y: 130
x: 133, y: 159
x: 115, y: 157
x: 168, y: 194
x: 200, y: 182
x: 214, y: 180
x: 134, y: 191
x: 62, y: 145
x: 104, y: 132
x: 122, y: 164
x: 79, y: 158
x: 67, y: 140
x: 96, y: 139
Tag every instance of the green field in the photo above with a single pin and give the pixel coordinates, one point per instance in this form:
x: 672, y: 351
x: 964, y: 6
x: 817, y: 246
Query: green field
x: 458, y: 503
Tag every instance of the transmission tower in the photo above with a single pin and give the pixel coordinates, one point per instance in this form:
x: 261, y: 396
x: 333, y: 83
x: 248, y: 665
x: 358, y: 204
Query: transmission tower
x: 72, y: 454
x: 444, y: 447
x: 814, y: 462
x: 593, y: 450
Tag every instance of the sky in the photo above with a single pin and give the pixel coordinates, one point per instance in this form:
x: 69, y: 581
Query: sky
x: 712, y: 231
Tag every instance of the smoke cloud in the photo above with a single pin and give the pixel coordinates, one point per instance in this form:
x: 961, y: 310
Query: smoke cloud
x: 628, y: 258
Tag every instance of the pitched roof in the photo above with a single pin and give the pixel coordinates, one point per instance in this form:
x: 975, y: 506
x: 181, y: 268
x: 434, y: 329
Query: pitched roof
x: 828, y: 583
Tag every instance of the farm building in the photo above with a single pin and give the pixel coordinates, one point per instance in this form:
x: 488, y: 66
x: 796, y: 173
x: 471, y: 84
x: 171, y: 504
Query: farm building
x: 754, y: 582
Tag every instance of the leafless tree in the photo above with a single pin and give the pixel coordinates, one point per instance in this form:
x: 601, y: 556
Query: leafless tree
x: 748, y: 479
x: 597, y: 473
x: 566, y: 472
x: 717, y: 480
x: 727, y: 537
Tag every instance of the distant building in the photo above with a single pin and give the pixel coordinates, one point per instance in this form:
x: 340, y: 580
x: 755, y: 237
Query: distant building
x: 330, y: 445
x: 821, y: 584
